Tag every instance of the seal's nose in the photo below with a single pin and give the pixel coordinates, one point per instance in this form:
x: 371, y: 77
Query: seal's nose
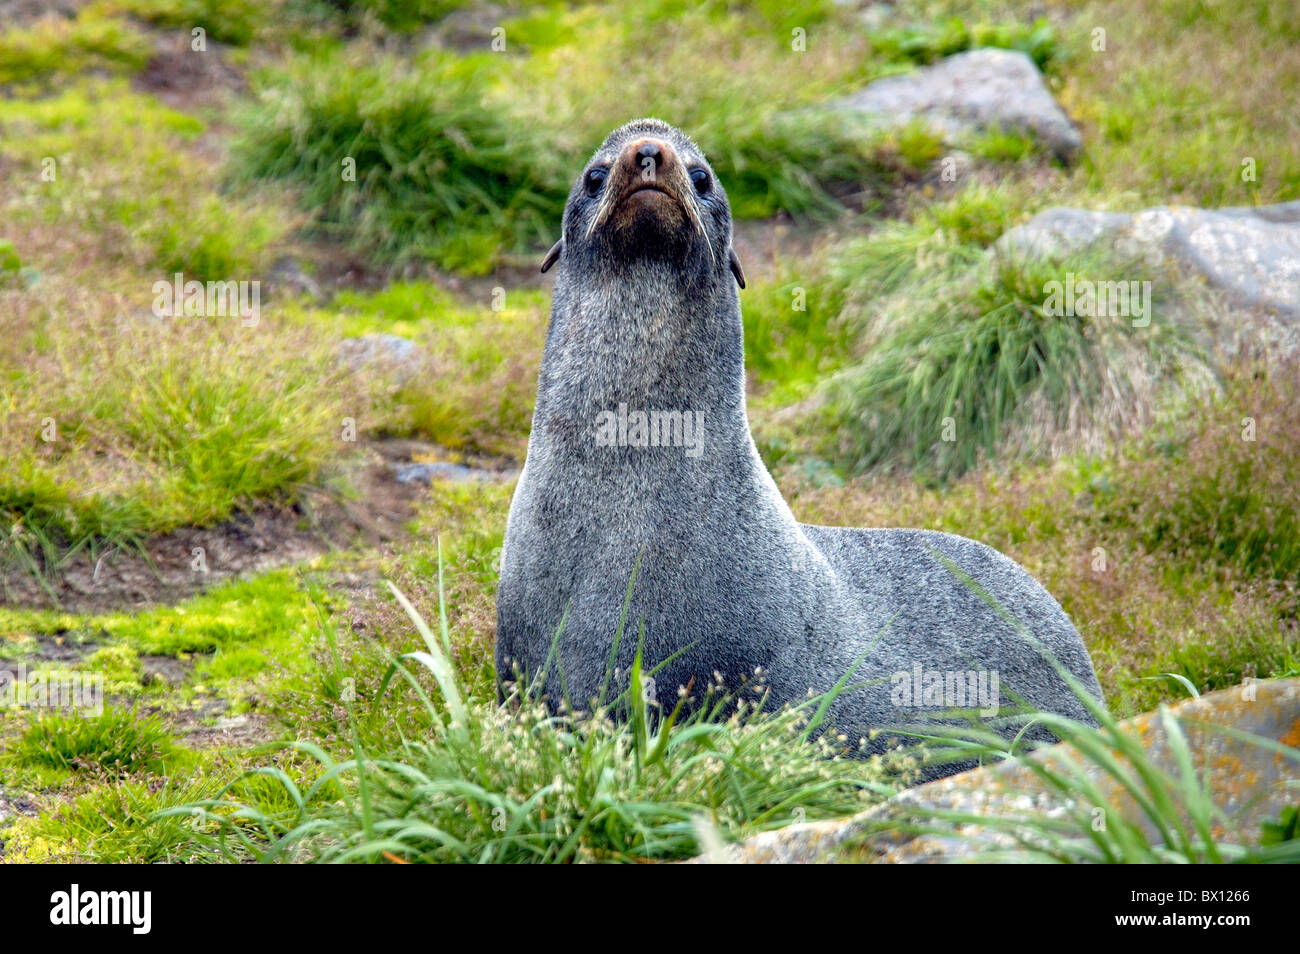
x: 648, y: 158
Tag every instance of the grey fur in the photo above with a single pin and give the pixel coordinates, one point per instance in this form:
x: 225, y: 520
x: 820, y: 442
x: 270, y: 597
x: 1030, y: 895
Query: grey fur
x: 725, y: 568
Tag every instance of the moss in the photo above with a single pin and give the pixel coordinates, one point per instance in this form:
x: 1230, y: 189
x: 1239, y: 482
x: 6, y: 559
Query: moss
x: 266, y: 610
x: 121, y: 669
x: 115, y: 823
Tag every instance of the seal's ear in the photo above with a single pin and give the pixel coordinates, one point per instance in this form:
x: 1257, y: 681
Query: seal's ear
x: 552, y: 256
x: 735, y: 269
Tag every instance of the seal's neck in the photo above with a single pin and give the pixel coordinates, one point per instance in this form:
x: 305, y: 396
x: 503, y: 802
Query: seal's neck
x: 644, y: 336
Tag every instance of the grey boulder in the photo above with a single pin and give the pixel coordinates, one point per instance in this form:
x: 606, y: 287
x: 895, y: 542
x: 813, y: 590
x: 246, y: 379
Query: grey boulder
x: 1252, y: 253
x: 979, y: 90
x: 1243, y: 741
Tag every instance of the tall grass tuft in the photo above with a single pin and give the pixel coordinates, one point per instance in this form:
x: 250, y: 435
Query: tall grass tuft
x: 808, y: 164
x: 402, y: 16
x: 934, y: 41
x: 115, y: 743
x: 181, y: 433
x: 405, y: 161
x: 479, y: 782
x: 963, y: 361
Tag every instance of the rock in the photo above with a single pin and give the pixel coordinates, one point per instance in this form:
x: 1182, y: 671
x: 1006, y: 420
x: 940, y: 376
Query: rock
x: 165, y: 669
x: 287, y: 275
x: 975, y: 91
x: 1247, y: 781
x: 469, y: 29
x: 393, y: 352
x: 439, y: 470
x: 15, y: 13
x: 1251, y: 253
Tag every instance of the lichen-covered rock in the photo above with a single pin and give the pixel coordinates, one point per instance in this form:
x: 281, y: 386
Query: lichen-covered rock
x: 1251, y: 783
x: 975, y: 91
x: 1251, y: 253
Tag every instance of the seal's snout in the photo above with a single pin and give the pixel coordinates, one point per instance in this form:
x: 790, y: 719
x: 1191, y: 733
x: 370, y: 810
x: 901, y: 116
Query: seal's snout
x: 649, y: 160
x: 648, y: 172
x: 648, y: 206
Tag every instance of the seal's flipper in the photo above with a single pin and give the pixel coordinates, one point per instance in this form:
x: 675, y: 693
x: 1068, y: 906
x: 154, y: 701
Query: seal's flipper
x: 554, y: 254
x: 735, y: 269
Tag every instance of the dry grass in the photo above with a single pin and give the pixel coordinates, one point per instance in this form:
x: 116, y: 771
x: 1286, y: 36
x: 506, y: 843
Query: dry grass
x: 117, y: 423
x: 472, y: 383
x: 1184, y: 91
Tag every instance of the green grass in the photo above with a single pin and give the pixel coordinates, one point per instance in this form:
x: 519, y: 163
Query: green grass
x: 438, y: 171
x: 1161, y: 134
x: 770, y: 148
x: 1224, y: 488
x: 1142, y: 607
x: 473, y: 387
x: 476, y: 782
x: 944, y: 354
x: 125, y: 178
x: 498, y: 184
x: 181, y: 435
x: 402, y: 16
x: 118, y: 742
x: 55, y: 47
x: 794, y: 336
x: 113, y: 824
x: 466, y: 781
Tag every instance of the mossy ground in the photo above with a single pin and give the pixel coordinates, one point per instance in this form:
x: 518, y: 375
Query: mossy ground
x: 1169, y: 540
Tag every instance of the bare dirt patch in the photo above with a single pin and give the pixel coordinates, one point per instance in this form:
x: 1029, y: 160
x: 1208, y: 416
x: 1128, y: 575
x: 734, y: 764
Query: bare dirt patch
x: 210, y: 729
x: 177, y: 565
x: 185, y: 78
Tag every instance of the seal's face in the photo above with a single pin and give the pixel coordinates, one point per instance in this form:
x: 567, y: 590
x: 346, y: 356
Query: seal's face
x: 648, y: 194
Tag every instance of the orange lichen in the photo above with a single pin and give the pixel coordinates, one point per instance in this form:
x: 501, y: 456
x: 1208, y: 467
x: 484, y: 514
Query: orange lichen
x: 1292, y: 735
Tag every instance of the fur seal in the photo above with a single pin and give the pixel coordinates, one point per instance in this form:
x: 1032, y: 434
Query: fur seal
x: 641, y: 456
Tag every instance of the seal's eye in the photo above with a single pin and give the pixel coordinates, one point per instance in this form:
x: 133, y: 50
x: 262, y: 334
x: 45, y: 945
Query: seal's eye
x: 595, y: 179
x: 701, y: 180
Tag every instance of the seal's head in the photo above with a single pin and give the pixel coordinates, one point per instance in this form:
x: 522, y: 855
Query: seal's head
x: 648, y: 193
